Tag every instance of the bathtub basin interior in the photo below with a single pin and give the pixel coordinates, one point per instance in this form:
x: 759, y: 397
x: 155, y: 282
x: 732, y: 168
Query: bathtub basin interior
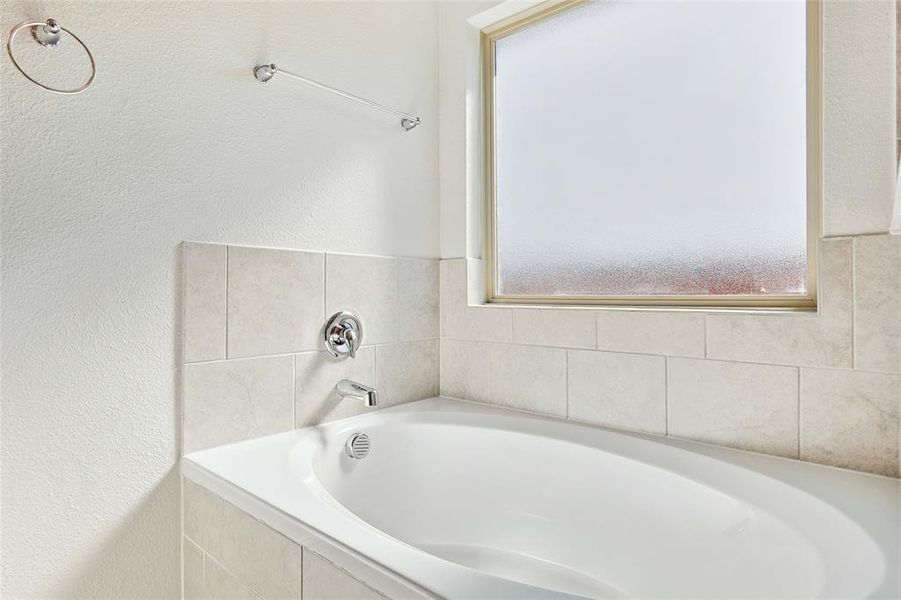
x: 595, y: 524
x: 476, y: 492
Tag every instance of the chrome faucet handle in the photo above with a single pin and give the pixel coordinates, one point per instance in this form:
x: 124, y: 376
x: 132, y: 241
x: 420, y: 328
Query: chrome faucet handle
x: 350, y: 338
x: 343, y: 334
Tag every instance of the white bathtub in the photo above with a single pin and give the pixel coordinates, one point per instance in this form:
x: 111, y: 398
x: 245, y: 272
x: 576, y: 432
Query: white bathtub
x: 461, y: 500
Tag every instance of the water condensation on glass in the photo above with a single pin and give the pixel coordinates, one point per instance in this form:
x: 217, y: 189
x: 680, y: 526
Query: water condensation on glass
x: 653, y: 148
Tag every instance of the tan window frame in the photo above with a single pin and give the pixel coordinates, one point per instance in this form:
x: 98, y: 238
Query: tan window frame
x: 547, y: 10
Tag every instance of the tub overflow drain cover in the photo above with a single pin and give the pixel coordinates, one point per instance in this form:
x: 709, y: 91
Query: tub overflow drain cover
x: 357, y: 446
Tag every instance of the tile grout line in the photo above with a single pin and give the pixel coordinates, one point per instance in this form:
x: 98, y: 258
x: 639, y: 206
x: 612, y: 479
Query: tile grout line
x: 293, y: 391
x: 566, y: 379
x: 706, y: 333
x: 301, y: 352
x: 666, y: 396
x: 203, y: 559
x: 189, y: 538
x: 662, y: 353
x: 438, y: 329
x: 324, y: 287
x: 227, y: 252
x: 853, y: 302
x: 800, y: 386
x: 438, y: 325
x: 637, y: 353
x: 253, y: 357
x: 230, y: 571
x: 310, y: 251
x: 181, y: 421
x: 375, y: 368
x: 203, y: 556
x: 397, y: 315
x: 184, y: 535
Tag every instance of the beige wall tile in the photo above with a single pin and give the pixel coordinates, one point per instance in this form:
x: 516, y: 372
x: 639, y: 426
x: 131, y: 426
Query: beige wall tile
x: 627, y: 391
x: 571, y: 328
x: 464, y: 322
x: 673, y: 333
x: 275, y: 301
x: 529, y: 378
x: 748, y: 406
x: 877, y: 294
x: 406, y: 372
x: 204, y: 301
x: 324, y: 581
x: 316, y: 374
x: 267, y: 562
x: 465, y: 370
x: 192, y: 573
x: 850, y: 419
x: 822, y: 339
x: 366, y: 286
x: 222, y: 585
x: 479, y: 323
x: 204, y: 513
x: 417, y: 302
x: 235, y: 400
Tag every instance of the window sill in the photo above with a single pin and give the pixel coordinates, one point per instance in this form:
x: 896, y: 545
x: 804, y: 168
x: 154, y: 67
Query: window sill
x: 751, y: 310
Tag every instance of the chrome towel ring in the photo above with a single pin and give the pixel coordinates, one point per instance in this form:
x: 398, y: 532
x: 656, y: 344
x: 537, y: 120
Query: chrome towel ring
x: 49, y: 34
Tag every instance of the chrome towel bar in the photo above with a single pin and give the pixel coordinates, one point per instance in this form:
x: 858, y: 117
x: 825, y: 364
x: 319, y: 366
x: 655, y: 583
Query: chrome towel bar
x: 264, y: 73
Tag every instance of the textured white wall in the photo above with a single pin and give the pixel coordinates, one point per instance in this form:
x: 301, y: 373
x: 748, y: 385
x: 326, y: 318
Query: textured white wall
x: 459, y: 109
x: 175, y: 141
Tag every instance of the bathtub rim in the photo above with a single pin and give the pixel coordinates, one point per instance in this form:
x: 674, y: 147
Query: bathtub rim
x: 359, y: 566
x: 819, y: 483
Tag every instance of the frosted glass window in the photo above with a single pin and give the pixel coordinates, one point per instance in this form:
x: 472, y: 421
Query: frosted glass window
x: 652, y: 149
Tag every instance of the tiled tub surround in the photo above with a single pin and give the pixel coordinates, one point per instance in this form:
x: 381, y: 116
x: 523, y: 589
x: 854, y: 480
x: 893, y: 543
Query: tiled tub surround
x: 254, y: 366
x: 254, y: 363
x: 228, y: 555
x: 822, y: 387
